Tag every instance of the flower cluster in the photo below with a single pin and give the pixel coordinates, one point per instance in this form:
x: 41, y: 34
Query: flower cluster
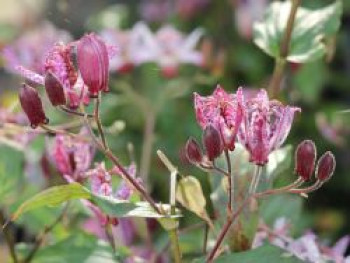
x: 167, y: 47
x: 260, y: 124
x: 30, y: 49
x: 307, y: 247
x: 64, y: 83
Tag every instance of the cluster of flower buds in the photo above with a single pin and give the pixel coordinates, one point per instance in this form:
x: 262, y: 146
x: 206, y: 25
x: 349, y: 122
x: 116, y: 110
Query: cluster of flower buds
x: 212, y: 144
x: 305, y: 159
x: 260, y: 124
x: 64, y: 84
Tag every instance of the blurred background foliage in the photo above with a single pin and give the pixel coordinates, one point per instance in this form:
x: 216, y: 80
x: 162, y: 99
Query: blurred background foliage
x: 320, y: 88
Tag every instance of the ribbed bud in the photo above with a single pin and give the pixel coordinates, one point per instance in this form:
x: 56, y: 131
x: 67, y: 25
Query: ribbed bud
x: 193, y: 151
x: 93, y: 63
x: 54, y: 90
x: 325, y: 166
x: 305, y: 158
x: 32, y: 106
x: 212, y: 142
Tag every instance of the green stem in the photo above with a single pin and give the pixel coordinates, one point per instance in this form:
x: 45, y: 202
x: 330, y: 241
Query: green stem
x: 98, y: 121
x: 230, y: 183
x: 146, y: 155
x: 280, y: 62
x: 175, y: 246
x: 48, y: 229
x: 8, y: 237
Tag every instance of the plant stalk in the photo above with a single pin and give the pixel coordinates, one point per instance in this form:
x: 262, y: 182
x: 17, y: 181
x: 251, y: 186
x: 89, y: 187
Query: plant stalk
x: 8, y: 237
x: 280, y: 62
x: 175, y: 246
x: 148, y: 138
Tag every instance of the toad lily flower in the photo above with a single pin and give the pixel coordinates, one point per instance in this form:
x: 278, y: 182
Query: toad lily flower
x: 265, y: 127
x: 223, y: 111
x: 169, y: 48
x: 72, y: 157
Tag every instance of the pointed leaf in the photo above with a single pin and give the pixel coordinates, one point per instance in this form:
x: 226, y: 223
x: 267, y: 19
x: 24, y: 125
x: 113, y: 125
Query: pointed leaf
x: 52, y: 197
x: 311, y: 27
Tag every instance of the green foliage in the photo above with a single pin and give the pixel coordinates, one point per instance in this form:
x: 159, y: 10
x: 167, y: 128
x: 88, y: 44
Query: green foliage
x: 11, y: 172
x: 119, y: 208
x: 78, y: 247
x: 52, y: 197
x: 263, y: 254
x: 311, y: 28
x: 277, y: 206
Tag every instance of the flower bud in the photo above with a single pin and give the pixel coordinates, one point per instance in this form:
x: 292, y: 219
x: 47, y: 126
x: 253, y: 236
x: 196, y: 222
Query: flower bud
x: 305, y: 158
x: 193, y: 151
x: 212, y: 142
x: 32, y: 106
x: 54, y: 89
x: 325, y: 167
x: 93, y: 63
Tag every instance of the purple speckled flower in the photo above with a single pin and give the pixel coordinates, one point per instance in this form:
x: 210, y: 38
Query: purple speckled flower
x: 265, y: 127
x: 222, y: 110
x: 71, y: 156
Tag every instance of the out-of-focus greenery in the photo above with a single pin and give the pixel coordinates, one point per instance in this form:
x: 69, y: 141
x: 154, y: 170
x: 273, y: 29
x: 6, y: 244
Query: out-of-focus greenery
x: 321, y: 86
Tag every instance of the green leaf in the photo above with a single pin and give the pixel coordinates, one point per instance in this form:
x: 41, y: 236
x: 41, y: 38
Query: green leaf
x: 263, y: 254
x: 279, y: 161
x: 286, y: 205
x: 189, y: 193
x: 119, y: 208
x: 11, y: 166
x: 52, y: 197
x: 122, y: 208
x: 311, y: 27
x: 79, y: 247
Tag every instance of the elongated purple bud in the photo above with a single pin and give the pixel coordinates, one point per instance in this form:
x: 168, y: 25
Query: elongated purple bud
x: 212, y: 142
x: 193, y: 151
x: 32, y: 106
x: 93, y: 63
x: 54, y: 90
x: 325, y: 166
x: 305, y: 158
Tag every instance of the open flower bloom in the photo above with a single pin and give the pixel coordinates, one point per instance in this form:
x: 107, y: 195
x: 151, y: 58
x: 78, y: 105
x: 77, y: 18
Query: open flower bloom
x: 30, y: 49
x: 265, y: 127
x: 130, y: 48
x: 168, y: 47
x: 71, y: 156
x: 222, y: 110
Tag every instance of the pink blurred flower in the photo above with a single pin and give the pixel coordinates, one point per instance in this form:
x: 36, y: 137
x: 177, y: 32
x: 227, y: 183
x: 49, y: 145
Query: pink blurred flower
x: 265, y: 127
x: 100, y: 179
x: 223, y: 110
x: 307, y: 247
x: 334, y: 131
x: 125, y: 190
x: 71, y: 156
x: 155, y: 10
x: 189, y: 8
x: 169, y: 48
x: 30, y: 49
x: 246, y: 13
x: 129, y: 46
